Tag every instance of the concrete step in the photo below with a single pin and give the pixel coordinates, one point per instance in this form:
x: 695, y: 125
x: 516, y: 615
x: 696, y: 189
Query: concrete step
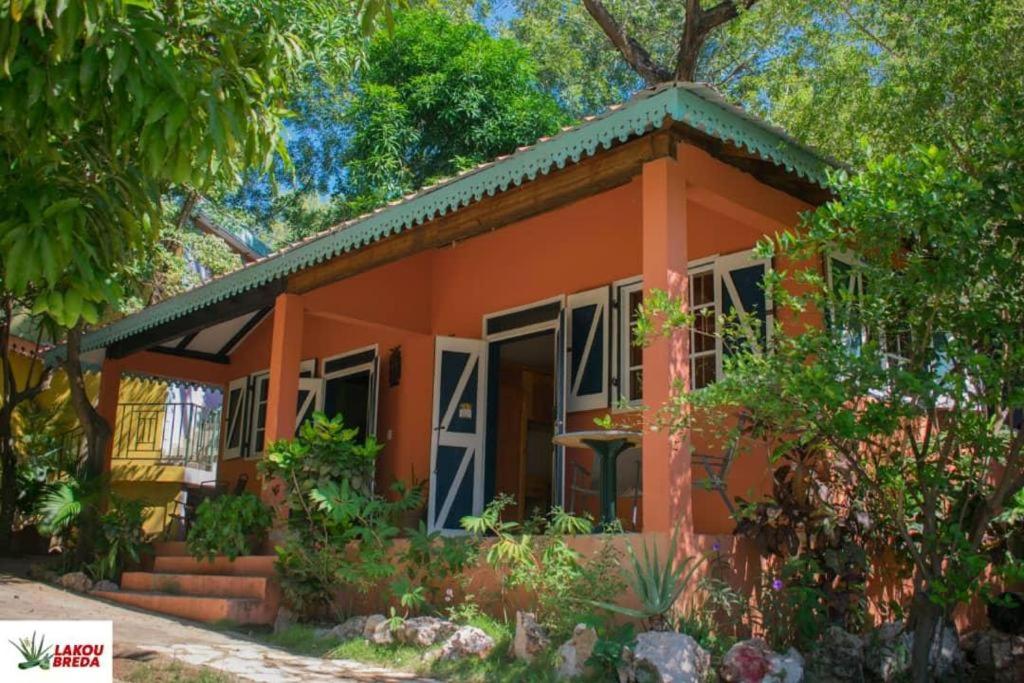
x: 211, y: 585
x: 198, y: 608
x: 170, y: 549
x: 246, y: 565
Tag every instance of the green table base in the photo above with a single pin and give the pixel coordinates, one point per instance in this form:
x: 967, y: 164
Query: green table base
x: 608, y: 453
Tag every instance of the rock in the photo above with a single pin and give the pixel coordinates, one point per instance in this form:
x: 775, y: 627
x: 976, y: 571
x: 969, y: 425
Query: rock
x: 284, y: 619
x: 1006, y: 613
x: 531, y: 639
x: 886, y: 655
x: 76, y: 581
x: 467, y: 641
x: 105, y: 586
x: 664, y: 657
x: 371, y: 623
x: 752, y: 661
x: 573, y: 655
x: 353, y: 627
x: 381, y: 633
x: 996, y: 657
x: 424, y: 631
x: 40, y: 572
x: 838, y: 658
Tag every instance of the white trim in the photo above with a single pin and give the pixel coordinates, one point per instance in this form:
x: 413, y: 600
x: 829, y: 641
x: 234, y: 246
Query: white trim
x: 315, y: 387
x: 347, y: 371
x: 307, y: 368
x: 474, y: 443
x: 598, y: 297
x: 521, y: 331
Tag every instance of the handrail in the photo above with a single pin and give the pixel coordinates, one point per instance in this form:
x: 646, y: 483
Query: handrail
x: 184, y: 434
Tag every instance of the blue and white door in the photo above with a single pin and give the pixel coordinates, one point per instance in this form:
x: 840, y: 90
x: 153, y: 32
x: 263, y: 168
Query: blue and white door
x: 457, y: 450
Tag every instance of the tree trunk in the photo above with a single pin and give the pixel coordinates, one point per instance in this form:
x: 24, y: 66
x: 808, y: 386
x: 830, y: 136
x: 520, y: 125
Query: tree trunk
x: 8, y: 487
x: 97, y: 435
x: 926, y: 621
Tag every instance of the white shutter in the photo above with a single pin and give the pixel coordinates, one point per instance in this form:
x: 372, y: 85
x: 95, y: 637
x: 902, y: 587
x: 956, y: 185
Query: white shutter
x: 741, y: 282
x: 587, y: 357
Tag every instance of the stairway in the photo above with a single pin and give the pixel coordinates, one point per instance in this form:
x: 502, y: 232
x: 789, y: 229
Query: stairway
x: 243, y: 591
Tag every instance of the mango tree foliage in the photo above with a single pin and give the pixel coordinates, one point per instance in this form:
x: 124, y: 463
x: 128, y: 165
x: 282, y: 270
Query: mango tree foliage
x: 914, y: 384
x: 103, y: 105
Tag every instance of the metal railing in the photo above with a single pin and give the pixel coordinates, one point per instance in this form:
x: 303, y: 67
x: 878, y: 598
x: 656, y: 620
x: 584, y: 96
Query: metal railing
x: 184, y: 434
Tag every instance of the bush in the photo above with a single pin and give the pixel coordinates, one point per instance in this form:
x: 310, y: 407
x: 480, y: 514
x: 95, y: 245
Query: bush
x: 229, y: 525
x: 120, y: 539
x: 339, y: 532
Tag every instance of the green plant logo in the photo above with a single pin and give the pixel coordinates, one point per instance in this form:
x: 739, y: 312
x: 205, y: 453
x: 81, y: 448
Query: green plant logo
x: 34, y: 655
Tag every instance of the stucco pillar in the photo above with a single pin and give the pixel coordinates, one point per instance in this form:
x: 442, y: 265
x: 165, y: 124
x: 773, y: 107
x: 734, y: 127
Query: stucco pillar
x: 285, y: 359
x: 666, y: 457
x: 106, y: 404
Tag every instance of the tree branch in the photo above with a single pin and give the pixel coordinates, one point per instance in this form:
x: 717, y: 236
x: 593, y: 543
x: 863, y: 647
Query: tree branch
x: 638, y: 58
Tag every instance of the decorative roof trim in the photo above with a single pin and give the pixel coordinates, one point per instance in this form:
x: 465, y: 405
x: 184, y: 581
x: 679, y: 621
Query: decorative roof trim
x: 694, y: 105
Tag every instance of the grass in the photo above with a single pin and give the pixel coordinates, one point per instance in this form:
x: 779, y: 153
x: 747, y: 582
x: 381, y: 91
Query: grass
x: 498, y: 667
x: 162, y: 671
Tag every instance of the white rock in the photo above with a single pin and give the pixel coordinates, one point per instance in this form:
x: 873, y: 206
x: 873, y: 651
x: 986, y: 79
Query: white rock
x: 573, y: 655
x: 76, y: 581
x: 424, y: 631
x: 381, y: 634
x: 531, y: 639
x: 468, y: 641
x: 105, y: 586
x: 371, y: 623
x: 665, y: 657
x: 352, y: 627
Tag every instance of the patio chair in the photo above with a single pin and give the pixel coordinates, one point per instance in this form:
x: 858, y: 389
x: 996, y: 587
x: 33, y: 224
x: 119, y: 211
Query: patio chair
x: 718, y: 466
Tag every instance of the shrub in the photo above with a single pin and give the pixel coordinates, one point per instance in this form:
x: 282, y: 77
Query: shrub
x: 229, y: 525
x: 339, y: 532
x: 120, y: 539
x: 560, y: 579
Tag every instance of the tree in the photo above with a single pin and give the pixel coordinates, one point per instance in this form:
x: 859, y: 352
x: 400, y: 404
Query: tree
x: 697, y: 27
x: 104, y: 105
x: 436, y: 95
x: 914, y: 383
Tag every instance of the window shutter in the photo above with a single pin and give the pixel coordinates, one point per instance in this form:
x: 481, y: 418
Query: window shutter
x: 234, y: 422
x: 588, y: 350
x: 847, y: 286
x: 741, y: 279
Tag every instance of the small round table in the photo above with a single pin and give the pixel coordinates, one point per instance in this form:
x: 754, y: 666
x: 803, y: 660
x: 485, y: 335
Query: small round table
x: 608, y: 445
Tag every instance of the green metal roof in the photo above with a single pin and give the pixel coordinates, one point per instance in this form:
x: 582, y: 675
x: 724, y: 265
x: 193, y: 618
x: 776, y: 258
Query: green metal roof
x: 691, y: 104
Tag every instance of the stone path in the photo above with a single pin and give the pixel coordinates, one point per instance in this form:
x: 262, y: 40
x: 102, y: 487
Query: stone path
x: 141, y: 635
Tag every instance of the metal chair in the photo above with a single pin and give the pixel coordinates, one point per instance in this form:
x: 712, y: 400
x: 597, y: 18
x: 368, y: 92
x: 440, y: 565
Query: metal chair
x: 718, y: 466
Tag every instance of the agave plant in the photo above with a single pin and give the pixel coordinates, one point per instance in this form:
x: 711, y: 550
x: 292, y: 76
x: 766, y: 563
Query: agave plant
x: 34, y: 655
x: 656, y: 583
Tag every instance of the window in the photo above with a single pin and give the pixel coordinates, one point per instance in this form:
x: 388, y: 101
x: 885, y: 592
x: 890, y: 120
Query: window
x: 259, y: 424
x: 350, y: 389
x: 703, y: 340
x: 629, y: 358
x: 726, y: 287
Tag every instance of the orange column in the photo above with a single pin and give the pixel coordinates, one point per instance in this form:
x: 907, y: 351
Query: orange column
x: 666, y: 457
x: 285, y: 358
x: 106, y: 405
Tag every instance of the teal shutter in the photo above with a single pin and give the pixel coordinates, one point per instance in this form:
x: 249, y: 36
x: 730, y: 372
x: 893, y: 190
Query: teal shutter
x: 744, y: 303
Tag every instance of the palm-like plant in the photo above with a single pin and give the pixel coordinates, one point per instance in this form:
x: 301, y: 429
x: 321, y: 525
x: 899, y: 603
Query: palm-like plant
x: 656, y: 583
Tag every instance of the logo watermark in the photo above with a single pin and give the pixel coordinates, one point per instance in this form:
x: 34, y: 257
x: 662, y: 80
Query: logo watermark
x: 56, y: 651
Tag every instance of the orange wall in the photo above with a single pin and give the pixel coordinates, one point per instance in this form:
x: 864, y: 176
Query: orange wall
x: 587, y: 244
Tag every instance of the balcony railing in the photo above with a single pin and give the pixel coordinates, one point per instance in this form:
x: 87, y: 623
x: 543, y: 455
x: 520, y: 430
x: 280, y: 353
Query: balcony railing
x: 183, y: 434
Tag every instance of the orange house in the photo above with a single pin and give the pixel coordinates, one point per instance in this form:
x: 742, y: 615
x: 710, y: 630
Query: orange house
x: 469, y: 323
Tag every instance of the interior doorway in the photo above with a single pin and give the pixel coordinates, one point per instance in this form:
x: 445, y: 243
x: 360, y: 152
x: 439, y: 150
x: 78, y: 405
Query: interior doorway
x: 522, y: 421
